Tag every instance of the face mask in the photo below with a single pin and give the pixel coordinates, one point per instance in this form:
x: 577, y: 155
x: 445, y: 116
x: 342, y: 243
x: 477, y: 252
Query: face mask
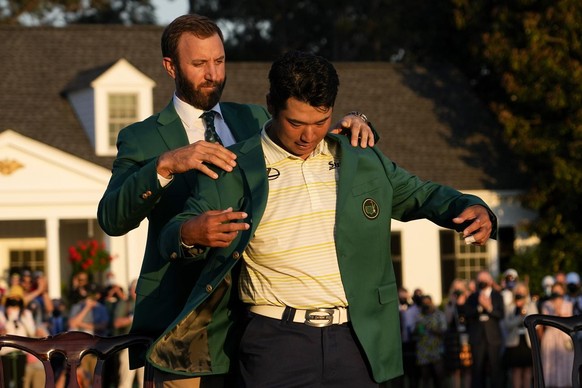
x: 416, y: 299
x: 548, y: 290
x: 482, y: 285
x: 425, y: 309
x: 403, y: 301
x: 13, y: 314
x: 572, y: 288
x: 510, y: 284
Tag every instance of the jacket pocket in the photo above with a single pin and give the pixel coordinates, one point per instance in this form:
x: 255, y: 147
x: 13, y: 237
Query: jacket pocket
x: 387, y: 293
x: 366, y: 187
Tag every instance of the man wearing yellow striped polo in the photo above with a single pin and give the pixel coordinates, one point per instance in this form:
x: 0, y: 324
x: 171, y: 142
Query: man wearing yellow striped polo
x: 312, y: 266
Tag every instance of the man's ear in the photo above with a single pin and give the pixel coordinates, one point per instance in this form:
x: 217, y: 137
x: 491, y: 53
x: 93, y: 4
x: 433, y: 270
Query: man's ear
x: 169, y: 66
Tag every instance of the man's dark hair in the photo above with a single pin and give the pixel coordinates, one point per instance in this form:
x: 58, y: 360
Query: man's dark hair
x: 197, y: 25
x: 304, y: 76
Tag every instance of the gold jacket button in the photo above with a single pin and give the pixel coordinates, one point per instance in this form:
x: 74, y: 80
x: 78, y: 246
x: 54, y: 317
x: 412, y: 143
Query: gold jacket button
x: 236, y: 255
x: 146, y: 195
x: 174, y: 255
x: 208, y: 288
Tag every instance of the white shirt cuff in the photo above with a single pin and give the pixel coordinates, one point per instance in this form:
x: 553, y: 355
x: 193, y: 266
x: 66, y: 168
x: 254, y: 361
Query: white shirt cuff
x: 164, y: 181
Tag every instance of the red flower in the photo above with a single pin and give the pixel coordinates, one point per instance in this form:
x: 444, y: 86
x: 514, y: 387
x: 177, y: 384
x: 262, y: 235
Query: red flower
x: 89, y: 256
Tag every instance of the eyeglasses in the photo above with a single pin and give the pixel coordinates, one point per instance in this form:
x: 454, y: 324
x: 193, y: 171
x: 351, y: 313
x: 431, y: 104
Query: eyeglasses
x: 519, y: 296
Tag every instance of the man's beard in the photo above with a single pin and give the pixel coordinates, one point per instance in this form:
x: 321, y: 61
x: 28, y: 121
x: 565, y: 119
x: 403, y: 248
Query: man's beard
x: 195, y: 96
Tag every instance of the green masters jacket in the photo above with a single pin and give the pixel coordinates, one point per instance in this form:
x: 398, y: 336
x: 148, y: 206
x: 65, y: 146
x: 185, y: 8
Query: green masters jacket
x: 372, y: 191
x: 134, y: 194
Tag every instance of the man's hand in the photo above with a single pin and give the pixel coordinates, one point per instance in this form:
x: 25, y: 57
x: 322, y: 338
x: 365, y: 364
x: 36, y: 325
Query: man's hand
x: 357, y: 129
x: 193, y: 157
x: 215, y: 228
x: 479, y: 230
x: 485, y: 302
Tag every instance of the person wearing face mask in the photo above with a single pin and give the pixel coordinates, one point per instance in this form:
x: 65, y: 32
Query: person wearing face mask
x: 517, y: 354
x: 573, y: 292
x: 17, y: 320
x: 556, y: 346
x: 430, y: 329
x: 484, y: 311
x: 409, y: 319
x: 547, y: 282
x: 457, y: 349
x: 510, y: 279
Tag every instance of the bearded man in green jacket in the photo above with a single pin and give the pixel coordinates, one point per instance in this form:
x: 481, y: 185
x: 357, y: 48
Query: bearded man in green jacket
x: 148, y: 179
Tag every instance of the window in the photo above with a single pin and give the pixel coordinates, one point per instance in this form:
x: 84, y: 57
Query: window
x: 32, y: 259
x: 459, y: 260
x: 123, y: 110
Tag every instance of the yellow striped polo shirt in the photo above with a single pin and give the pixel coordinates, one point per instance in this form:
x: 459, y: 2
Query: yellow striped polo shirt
x: 291, y: 260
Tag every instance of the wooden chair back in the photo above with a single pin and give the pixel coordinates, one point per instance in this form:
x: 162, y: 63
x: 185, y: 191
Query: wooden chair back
x: 73, y: 346
x: 569, y: 325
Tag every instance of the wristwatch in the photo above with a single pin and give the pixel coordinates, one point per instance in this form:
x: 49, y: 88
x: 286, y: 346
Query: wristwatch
x: 193, y: 250
x: 360, y: 115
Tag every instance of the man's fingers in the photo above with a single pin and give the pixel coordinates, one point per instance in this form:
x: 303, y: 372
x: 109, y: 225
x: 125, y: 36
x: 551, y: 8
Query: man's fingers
x: 364, y: 137
x: 210, y: 153
x: 233, y: 216
x: 480, y: 227
x: 359, y: 132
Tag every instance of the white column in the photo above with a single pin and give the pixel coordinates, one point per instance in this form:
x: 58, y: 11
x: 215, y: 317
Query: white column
x: 493, y: 251
x: 128, y: 251
x: 53, y: 267
x: 136, y: 243
x: 421, y: 264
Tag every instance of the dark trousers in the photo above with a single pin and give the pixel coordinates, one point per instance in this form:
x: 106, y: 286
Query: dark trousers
x: 486, y: 365
x: 276, y: 353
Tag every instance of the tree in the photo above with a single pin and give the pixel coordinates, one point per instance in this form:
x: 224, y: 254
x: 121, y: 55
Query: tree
x: 63, y: 12
x: 337, y: 29
x: 526, y: 56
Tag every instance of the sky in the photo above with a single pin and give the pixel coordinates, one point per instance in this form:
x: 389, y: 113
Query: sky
x: 168, y: 10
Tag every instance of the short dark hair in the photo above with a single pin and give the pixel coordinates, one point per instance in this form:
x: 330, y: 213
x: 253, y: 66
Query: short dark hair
x: 197, y: 25
x: 304, y: 76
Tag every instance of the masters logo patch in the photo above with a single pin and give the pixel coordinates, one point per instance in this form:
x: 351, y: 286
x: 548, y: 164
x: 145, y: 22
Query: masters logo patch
x: 370, y: 208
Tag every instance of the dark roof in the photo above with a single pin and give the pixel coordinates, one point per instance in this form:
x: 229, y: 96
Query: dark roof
x: 428, y: 118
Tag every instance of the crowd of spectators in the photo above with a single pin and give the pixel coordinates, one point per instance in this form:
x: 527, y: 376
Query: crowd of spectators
x: 477, y: 338
x: 27, y: 310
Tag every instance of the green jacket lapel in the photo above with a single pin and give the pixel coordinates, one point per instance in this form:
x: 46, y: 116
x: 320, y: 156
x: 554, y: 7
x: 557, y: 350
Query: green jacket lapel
x: 171, y: 129
x: 253, y: 169
x: 241, y: 126
x: 348, y: 169
x: 174, y: 135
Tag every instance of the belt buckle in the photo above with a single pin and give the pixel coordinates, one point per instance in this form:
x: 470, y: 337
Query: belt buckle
x: 325, y: 315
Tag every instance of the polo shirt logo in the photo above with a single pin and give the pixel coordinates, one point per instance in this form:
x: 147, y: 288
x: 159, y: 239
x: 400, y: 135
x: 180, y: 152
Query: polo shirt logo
x: 273, y: 173
x: 333, y: 165
x: 370, y: 208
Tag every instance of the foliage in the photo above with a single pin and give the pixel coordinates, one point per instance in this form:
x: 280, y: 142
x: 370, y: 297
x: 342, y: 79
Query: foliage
x: 89, y: 256
x: 62, y: 12
x: 340, y: 30
x: 532, y: 269
x: 526, y: 55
